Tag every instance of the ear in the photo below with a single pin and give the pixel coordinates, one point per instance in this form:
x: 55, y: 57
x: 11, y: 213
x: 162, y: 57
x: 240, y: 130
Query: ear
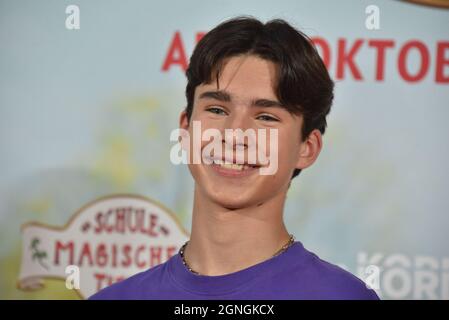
x: 183, y: 121
x: 309, y: 149
x: 184, y: 137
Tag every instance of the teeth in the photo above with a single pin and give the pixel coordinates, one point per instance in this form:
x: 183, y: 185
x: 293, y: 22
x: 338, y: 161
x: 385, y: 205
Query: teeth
x: 230, y: 165
x: 234, y: 166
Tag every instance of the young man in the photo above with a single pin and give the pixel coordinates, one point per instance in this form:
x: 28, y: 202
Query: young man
x: 245, y: 75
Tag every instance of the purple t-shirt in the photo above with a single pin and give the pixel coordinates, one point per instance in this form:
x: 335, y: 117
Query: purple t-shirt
x: 294, y: 274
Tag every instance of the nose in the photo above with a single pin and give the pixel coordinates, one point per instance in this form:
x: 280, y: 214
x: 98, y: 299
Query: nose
x: 237, y: 123
x: 238, y: 119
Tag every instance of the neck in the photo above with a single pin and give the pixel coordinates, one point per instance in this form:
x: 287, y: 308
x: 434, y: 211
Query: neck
x: 224, y: 241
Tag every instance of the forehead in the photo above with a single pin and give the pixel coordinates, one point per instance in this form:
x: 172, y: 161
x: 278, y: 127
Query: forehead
x: 246, y: 77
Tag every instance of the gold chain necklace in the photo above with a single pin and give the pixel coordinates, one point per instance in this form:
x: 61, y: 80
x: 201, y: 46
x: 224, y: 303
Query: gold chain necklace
x: 284, y: 247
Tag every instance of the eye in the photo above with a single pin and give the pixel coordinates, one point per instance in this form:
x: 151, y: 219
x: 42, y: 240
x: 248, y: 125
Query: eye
x: 216, y: 110
x: 265, y: 117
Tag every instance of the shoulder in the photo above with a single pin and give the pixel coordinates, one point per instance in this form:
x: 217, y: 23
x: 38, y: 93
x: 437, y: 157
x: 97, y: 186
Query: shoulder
x: 134, y: 287
x: 329, y: 281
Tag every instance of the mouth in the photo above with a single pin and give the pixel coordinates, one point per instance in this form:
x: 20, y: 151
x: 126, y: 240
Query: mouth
x: 233, y: 166
x: 230, y: 169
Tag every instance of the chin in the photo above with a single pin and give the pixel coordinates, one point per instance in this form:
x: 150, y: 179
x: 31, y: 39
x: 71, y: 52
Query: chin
x: 233, y: 200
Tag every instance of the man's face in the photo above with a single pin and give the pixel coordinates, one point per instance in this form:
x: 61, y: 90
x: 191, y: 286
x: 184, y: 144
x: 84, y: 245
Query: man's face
x: 248, y: 102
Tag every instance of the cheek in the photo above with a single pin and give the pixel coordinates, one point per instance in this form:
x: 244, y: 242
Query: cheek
x: 204, y: 123
x: 289, y: 145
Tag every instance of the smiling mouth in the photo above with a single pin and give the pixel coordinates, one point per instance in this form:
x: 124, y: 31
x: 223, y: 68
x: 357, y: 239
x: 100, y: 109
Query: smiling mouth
x: 227, y: 165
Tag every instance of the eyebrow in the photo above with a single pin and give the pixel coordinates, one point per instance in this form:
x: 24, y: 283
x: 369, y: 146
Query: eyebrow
x: 224, y: 96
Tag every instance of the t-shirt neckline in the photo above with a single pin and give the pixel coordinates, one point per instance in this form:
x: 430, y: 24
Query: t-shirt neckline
x: 228, y: 283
